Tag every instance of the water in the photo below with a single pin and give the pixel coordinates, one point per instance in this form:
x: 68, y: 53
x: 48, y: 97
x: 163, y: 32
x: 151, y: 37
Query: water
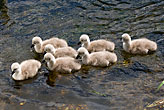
x: 128, y: 85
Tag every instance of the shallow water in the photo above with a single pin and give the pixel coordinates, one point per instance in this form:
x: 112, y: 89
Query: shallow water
x: 128, y: 85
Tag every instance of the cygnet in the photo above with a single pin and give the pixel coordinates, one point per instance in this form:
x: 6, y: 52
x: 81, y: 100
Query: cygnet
x: 27, y: 69
x: 138, y: 46
x: 102, y: 58
x: 39, y: 45
x: 60, y: 52
x: 61, y: 64
x: 96, y: 45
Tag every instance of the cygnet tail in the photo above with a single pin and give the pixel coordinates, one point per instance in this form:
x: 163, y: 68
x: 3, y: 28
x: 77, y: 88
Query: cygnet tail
x: 115, y: 58
x: 153, y: 47
x: 77, y: 65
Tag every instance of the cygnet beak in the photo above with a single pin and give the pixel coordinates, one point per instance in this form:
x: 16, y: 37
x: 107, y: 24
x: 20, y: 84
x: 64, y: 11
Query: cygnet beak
x: 32, y: 46
x: 43, y: 61
x: 78, y: 56
x: 44, y: 53
x: 79, y: 43
x: 13, y: 72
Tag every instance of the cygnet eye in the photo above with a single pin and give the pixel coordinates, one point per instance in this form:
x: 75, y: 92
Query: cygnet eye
x: 15, y: 69
x: 124, y: 39
x: 48, y: 59
x: 84, y: 40
x: 47, y: 50
x: 81, y: 52
x: 36, y: 42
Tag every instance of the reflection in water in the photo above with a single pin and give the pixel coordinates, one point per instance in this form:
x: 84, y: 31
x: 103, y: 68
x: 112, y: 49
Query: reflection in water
x: 4, y: 18
x: 19, y: 84
x: 52, y: 78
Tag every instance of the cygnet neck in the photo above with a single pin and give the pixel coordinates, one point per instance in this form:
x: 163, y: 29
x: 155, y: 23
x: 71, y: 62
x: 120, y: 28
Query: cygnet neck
x: 127, y: 45
x: 86, y: 58
x: 38, y: 47
x: 86, y: 44
x: 51, y: 63
x: 53, y: 51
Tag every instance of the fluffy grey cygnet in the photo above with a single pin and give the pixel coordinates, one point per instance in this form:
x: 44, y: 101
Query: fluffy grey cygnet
x: 61, y: 64
x: 102, y: 58
x: 138, y: 46
x: 96, y: 45
x: 39, y: 45
x: 61, y: 52
x: 27, y: 69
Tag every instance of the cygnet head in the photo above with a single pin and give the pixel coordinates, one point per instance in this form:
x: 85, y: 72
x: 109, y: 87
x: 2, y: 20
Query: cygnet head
x: 36, y: 40
x: 15, y: 68
x: 82, y: 51
x: 49, y: 48
x: 48, y: 57
x: 126, y: 38
x: 84, y: 39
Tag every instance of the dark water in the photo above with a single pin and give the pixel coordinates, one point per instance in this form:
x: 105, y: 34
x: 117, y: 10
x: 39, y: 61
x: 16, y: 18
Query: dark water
x: 128, y: 85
